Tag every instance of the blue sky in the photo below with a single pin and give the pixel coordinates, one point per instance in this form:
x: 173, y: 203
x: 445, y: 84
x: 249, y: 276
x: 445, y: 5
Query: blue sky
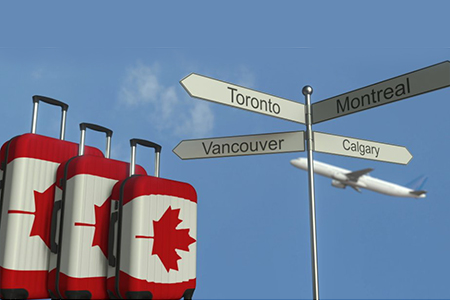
x: 118, y: 64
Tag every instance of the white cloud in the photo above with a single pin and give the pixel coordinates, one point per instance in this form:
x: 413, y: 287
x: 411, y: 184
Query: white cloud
x: 199, y: 122
x: 169, y: 102
x: 142, y: 88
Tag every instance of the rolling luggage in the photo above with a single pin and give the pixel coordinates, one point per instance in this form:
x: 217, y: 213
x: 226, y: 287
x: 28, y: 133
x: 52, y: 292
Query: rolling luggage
x: 29, y: 164
x: 152, y: 242
x: 78, y: 263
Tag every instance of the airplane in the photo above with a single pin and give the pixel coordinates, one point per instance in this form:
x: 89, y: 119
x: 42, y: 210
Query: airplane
x: 341, y: 178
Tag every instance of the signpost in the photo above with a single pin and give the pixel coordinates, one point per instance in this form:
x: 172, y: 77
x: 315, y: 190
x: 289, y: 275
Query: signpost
x: 222, y: 92
x: 398, y: 88
x: 347, y: 146
x: 307, y: 91
x: 241, y: 145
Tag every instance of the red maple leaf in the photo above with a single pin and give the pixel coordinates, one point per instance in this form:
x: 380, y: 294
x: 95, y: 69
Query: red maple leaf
x: 101, y: 226
x: 42, y: 215
x: 167, y: 238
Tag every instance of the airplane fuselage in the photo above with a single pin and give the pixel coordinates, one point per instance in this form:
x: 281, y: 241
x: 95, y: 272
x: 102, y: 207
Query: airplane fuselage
x: 340, y: 180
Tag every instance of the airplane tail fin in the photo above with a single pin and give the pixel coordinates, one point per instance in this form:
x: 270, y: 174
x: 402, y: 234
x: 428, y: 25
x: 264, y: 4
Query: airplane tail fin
x: 418, y: 183
x: 417, y: 186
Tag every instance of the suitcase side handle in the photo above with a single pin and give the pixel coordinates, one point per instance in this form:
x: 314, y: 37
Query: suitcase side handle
x: 111, y: 236
x: 64, y: 108
x: 84, y: 126
x: 54, y: 226
x: 157, y: 147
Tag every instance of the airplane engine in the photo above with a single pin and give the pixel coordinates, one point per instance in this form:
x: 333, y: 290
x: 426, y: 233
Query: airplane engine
x: 340, y: 177
x: 338, y: 184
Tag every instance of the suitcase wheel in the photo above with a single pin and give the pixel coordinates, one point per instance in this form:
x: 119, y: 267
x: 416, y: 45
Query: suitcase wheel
x: 188, y: 294
x: 14, y: 293
x: 139, y: 295
x: 78, y: 295
x: 112, y: 295
x: 52, y: 295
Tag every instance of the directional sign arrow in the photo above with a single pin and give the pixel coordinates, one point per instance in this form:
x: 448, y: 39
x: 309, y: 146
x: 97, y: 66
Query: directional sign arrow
x: 222, y: 92
x: 398, y: 88
x: 241, y: 145
x: 348, y: 146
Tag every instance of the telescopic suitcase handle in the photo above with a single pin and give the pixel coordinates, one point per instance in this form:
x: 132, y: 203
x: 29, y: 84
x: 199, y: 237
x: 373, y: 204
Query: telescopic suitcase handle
x: 84, y: 126
x: 64, y: 108
x: 133, y: 143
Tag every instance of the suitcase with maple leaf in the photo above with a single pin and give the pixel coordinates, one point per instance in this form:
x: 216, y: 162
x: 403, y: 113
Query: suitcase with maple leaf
x: 79, y: 258
x: 29, y: 164
x: 153, y: 231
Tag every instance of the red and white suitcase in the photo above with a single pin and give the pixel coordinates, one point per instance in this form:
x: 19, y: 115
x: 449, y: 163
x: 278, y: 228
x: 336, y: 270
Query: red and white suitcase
x: 29, y: 164
x: 78, y: 263
x: 153, y: 236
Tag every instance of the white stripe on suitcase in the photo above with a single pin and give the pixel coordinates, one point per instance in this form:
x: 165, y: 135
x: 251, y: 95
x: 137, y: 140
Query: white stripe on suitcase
x: 136, y: 257
x: 24, y: 177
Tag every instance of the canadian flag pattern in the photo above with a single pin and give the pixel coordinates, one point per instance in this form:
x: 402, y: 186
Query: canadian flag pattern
x: 158, y: 245
x: 85, y: 224
x: 153, y: 265
x: 82, y: 225
x: 24, y: 228
x: 26, y: 210
x: 83, y: 250
x: 27, y: 203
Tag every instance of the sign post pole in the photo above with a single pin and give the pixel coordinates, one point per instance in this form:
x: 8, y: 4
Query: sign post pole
x: 307, y: 91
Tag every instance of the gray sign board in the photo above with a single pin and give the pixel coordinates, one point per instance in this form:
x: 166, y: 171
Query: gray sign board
x: 281, y: 142
x: 210, y: 89
x: 348, y: 146
x: 398, y: 88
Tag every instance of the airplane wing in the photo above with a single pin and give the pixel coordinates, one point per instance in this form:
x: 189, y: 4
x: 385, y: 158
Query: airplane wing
x: 353, y: 176
x: 356, y: 188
